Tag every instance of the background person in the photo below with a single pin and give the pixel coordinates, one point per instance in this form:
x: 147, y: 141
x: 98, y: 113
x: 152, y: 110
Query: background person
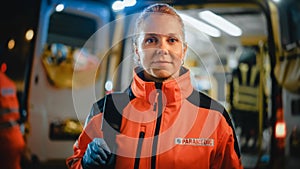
x: 12, y: 144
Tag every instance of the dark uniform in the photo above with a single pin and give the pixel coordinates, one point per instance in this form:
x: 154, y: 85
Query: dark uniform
x: 244, y: 99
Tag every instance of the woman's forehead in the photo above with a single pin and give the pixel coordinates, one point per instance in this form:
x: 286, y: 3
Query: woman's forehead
x: 161, y: 24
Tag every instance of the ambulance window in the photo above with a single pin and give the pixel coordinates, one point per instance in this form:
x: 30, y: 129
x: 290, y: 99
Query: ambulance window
x: 70, y: 29
x: 68, y: 34
x: 295, y: 107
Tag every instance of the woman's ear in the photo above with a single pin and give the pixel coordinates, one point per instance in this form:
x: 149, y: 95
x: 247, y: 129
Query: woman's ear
x: 135, y: 48
x: 136, y: 51
x: 185, y: 47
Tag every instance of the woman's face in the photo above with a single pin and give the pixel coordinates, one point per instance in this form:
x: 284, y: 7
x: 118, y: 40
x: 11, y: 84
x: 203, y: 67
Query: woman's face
x: 160, y: 48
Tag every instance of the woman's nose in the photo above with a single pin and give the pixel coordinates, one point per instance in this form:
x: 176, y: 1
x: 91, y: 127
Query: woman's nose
x: 162, y: 48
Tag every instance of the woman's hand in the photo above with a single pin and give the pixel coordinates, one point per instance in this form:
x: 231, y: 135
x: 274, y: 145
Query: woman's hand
x: 97, y: 154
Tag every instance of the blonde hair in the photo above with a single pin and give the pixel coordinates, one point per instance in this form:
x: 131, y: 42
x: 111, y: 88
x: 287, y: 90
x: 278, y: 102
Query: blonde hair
x: 157, y: 8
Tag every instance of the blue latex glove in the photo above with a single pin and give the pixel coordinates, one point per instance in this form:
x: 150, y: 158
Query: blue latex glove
x: 97, y: 154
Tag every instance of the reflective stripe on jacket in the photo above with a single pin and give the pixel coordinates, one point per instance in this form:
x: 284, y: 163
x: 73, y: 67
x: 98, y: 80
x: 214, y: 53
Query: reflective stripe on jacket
x: 169, y: 125
x: 9, y: 105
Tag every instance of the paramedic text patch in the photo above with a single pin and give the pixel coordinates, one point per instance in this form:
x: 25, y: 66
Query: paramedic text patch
x: 195, y: 141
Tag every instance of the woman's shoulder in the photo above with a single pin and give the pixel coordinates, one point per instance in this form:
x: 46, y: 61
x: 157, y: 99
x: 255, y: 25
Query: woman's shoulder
x: 202, y: 100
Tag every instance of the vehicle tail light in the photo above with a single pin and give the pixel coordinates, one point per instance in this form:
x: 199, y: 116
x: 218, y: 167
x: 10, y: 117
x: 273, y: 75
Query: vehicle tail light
x: 280, y: 130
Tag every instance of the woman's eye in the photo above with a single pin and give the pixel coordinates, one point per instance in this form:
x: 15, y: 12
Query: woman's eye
x: 150, y: 40
x: 173, y: 40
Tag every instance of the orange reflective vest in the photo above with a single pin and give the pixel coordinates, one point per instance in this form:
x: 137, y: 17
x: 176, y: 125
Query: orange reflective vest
x: 9, y: 105
x: 163, y: 125
x: 12, y: 143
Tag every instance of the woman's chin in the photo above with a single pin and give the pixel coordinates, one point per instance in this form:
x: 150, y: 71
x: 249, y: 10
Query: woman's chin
x: 163, y: 74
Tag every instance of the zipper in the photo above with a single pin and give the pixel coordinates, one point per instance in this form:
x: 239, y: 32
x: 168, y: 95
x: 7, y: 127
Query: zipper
x: 139, y: 147
x: 155, y: 102
x: 157, y: 107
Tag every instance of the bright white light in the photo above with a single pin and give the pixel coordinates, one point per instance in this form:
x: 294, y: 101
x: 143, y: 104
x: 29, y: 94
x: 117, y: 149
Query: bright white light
x: 221, y: 23
x: 59, y: 7
x: 118, y: 5
x: 29, y: 34
x: 128, y: 3
x: 108, y: 85
x: 232, y: 63
x: 201, y: 26
x: 276, y: 1
x: 280, y: 130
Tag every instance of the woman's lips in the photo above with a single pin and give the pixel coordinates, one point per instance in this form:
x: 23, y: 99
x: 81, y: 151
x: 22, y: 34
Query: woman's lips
x: 161, y: 63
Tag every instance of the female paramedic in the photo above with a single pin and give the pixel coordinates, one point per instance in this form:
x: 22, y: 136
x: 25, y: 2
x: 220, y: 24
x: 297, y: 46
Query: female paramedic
x: 160, y: 121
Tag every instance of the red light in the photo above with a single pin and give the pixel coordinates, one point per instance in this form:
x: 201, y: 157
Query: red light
x: 280, y: 130
x: 3, y: 67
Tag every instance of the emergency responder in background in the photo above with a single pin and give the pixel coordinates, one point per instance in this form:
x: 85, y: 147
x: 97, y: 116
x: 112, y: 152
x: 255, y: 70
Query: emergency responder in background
x: 12, y: 144
x: 244, y: 100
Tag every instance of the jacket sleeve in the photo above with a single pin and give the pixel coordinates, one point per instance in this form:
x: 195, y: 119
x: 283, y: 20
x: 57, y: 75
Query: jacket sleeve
x: 91, y: 130
x: 226, y: 157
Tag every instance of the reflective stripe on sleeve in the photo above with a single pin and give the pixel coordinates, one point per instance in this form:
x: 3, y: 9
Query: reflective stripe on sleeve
x: 7, y: 91
x: 8, y: 110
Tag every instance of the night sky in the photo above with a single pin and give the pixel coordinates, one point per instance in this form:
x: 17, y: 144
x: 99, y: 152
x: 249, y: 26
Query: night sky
x: 17, y: 16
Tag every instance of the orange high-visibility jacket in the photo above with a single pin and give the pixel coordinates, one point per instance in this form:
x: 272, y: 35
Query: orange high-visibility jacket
x: 9, y: 105
x: 12, y: 143
x: 164, y: 125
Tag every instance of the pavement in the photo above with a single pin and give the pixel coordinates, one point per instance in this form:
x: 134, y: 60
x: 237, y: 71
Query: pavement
x: 51, y: 164
x: 249, y: 162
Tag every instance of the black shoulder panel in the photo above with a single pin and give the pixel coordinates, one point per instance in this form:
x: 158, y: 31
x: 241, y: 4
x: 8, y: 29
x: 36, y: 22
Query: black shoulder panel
x: 114, y: 104
x: 100, y: 104
x: 202, y: 100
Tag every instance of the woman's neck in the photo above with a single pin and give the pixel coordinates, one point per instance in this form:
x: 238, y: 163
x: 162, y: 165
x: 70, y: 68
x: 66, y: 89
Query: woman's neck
x: 149, y: 78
